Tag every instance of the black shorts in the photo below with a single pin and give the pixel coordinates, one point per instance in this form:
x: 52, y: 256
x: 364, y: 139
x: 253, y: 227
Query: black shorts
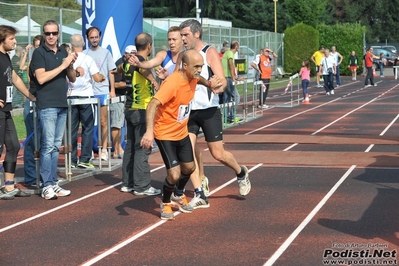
x: 174, y: 152
x: 209, y: 120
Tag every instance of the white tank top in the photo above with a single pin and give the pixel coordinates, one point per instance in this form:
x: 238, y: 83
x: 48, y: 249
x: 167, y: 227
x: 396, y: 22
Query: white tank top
x: 203, y: 97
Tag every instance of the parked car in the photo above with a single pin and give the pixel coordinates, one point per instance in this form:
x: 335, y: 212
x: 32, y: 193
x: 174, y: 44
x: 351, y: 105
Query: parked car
x: 390, y: 48
x: 388, y: 54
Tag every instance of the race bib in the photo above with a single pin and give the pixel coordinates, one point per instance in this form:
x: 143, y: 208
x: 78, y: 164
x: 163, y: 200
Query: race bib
x: 9, y: 94
x: 184, y: 112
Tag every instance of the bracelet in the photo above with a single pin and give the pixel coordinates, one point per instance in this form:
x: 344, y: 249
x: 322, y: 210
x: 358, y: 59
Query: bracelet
x: 209, y: 84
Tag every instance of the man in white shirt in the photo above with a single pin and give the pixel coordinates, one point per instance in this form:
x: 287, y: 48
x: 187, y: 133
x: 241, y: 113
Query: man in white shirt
x: 82, y: 114
x: 328, y: 69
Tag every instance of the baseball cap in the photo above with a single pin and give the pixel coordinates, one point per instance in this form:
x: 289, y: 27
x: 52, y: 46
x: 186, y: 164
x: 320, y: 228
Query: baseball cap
x: 130, y: 48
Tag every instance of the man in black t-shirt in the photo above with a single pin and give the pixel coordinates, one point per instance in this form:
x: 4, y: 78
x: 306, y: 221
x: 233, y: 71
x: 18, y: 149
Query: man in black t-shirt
x: 8, y: 133
x: 51, y: 64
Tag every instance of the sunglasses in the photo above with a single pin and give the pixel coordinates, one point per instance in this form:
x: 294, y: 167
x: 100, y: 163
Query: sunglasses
x: 55, y: 33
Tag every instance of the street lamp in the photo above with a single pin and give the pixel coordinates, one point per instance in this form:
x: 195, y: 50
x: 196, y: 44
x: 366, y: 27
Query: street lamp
x: 275, y: 15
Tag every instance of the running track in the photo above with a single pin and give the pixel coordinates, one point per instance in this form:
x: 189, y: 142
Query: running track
x: 324, y: 179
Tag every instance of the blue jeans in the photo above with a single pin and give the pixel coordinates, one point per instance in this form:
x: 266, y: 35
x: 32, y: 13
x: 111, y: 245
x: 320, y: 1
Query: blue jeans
x: 328, y: 82
x: 338, y: 75
x: 305, y: 84
x: 29, y: 148
x: 381, y: 69
x: 230, y: 95
x: 52, y: 125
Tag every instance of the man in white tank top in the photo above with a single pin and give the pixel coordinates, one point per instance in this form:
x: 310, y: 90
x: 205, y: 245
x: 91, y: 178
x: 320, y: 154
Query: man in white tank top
x: 206, y: 115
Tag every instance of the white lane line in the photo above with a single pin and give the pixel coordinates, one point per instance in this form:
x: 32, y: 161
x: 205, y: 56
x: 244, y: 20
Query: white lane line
x: 292, y: 116
x: 308, y: 218
x: 369, y: 148
x: 149, y: 229
x: 290, y: 147
x: 345, y: 115
x: 65, y: 205
x: 390, y: 124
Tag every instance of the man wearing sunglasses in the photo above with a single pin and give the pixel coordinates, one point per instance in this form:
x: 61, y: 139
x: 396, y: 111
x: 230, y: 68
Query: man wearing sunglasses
x: 50, y: 66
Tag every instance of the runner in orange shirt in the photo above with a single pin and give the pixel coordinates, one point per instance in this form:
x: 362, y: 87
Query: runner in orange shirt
x: 166, y: 119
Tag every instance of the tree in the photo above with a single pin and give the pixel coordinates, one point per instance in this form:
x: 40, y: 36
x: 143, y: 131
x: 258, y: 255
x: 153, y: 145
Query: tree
x: 306, y: 11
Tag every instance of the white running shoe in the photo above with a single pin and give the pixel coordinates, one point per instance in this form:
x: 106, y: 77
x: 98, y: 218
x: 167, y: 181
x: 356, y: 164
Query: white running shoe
x: 48, y: 193
x: 205, y: 186
x: 104, y: 155
x: 60, y: 192
x: 198, y: 203
x: 244, y: 184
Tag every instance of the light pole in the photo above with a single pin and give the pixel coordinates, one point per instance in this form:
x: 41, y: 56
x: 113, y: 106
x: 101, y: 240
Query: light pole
x: 275, y: 15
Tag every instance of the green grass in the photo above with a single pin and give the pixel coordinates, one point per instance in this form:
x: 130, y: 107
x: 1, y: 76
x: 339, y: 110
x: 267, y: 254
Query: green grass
x: 20, y: 126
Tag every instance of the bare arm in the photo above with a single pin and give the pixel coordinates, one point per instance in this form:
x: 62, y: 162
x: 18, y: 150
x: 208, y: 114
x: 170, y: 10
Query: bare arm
x: 232, y: 69
x: 111, y: 83
x: 213, y: 59
x: 340, y: 58
x: 148, y: 138
x: 98, y: 77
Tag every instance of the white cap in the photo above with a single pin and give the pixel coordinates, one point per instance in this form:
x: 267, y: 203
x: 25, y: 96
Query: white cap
x: 130, y: 48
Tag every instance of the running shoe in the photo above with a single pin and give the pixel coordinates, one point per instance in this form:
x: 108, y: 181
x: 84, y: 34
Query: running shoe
x: 21, y: 193
x: 181, y: 202
x: 205, y: 185
x: 126, y: 189
x: 104, y: 155
x: 148, y: 192
x: 60, y: 192
x: 86, y: 165
x: 48, y: 193
x: 244, y: 183
x: 332, y: 92
x: 166, y: 212
x: 7, y: 195
x: 197, y: 202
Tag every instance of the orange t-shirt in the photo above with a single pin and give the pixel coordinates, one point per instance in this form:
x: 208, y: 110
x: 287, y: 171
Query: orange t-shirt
x: 175, y: 95
x: 265, y: 65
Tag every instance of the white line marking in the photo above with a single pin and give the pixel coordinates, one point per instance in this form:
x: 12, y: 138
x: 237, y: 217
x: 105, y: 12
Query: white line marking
x: 308, y: 218
x: 149, y: 229
x: 345, y: 115
x: 65, y: 205
x: 290, y: 147
x: 386, y: 129
x: 292, y: 116
x: 369, y: 148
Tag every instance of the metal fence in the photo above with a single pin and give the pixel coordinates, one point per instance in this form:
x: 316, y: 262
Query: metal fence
x: 28, y: 19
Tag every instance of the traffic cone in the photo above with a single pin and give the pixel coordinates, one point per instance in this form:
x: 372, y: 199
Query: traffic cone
x: 306, y: 101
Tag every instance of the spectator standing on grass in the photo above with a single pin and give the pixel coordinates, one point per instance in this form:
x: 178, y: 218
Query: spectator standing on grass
x: 29, y: 148
x: 82, y: 114
x: 353, y: 64
x: 255, y: 64
x: 327, y: 69
x: 230, y: 94
x: 51, y: 64
x: 316, y: 59
x: 8, y: 133
x: 304, y: 73
x: 338, y: 60
x: 102, y: 90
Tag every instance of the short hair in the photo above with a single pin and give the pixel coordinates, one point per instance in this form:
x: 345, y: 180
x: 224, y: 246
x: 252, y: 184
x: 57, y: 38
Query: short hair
x: 5, y: 31
x: 37, y: 38
x: 77, y: 40
x: 142, y: 40
x: 194, y: 26
x: 321, y: 47
x: 89, y: 30
x: 51, y: 22
x: 173, y: 29
x: 234, y: 44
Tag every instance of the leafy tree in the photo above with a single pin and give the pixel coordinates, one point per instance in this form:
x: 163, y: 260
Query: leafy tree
x: 306, y: 11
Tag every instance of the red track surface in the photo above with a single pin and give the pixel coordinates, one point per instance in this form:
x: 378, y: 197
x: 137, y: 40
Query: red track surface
x: 324, y: 179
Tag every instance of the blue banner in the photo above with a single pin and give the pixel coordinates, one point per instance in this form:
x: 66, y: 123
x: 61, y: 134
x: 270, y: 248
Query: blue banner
x: 120, y: 21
